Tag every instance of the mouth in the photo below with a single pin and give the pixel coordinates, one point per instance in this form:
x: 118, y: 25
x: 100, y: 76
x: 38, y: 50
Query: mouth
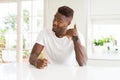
x: 54, y: 29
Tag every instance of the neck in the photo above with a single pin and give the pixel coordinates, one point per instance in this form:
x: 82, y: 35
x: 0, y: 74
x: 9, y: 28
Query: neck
x: 60, y: 35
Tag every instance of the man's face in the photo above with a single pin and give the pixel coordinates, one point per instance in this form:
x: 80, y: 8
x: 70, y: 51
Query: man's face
x: 60, y: 23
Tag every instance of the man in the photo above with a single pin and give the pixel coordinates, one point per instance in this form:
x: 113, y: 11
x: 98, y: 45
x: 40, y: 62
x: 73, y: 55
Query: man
x: 63, y: 45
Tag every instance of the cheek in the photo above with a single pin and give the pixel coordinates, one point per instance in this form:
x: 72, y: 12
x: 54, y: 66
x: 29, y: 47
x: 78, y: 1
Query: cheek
x: 63, y: 25
x: 66, y: 24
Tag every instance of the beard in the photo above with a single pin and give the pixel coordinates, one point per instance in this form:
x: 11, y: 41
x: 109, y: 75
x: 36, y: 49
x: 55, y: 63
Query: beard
x: 59, y: 31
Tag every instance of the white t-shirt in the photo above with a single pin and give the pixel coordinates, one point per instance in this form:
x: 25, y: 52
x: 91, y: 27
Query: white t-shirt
x: 58, y: 50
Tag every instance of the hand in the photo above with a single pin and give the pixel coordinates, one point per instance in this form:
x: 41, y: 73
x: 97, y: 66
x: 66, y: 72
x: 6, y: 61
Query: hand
x: 41, y: 63
x: 72, y: 32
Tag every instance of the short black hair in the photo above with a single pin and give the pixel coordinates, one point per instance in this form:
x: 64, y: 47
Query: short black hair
x: 66, y: 11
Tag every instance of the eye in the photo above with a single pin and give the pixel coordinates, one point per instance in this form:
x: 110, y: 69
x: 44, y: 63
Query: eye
x: 60, y: 21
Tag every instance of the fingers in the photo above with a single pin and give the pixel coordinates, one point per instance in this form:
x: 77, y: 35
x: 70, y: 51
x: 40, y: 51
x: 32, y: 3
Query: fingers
x: 69, y: 32
x: 45, y: 62
x: 75, y: 26
x: 72, y: 32
x: 75, y: 30
x: 41, y: 63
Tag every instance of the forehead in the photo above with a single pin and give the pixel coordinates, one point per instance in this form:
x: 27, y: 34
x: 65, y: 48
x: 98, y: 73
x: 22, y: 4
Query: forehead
x: 61, y: 17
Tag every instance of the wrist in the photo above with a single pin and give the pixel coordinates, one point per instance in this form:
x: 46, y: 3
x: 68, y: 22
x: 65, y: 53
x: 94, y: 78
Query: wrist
x: 75, y: 38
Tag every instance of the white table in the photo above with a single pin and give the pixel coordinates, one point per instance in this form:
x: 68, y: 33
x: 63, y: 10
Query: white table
x: 25, y: 71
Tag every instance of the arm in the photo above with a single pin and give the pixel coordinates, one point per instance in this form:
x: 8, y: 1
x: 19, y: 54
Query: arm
x: 80, y: 52
x: 37, y: 48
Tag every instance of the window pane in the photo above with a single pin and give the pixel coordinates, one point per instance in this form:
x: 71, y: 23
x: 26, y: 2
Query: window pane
x: 8, y: 27
x: 27, y: 41
x: 34, y: 37
x: 31, y: 23
x: 37, y: 24
x: 12, y: 8
x: 107, y: 29
x: 38, y: 8
x: 26, y: 5
x: 4, y: 12
x: 106, y: 36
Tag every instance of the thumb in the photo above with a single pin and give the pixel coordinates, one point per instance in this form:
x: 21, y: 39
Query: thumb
x: 75, y: 27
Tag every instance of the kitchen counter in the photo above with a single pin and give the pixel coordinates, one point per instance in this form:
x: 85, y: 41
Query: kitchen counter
x: 25, y: 71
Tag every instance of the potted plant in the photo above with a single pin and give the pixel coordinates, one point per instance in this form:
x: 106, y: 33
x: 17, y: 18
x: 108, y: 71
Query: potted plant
x: 101, y: 44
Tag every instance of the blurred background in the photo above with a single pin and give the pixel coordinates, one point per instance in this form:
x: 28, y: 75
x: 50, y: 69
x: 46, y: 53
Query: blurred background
x: 98, y: 20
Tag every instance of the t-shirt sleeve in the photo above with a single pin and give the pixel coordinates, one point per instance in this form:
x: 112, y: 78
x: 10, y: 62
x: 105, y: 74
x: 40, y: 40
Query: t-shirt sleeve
x: 40, y: 38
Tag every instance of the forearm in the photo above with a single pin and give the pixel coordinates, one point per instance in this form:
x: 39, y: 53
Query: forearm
x: 33, y: 59
x: 80, y: 52
x: 37, y: 48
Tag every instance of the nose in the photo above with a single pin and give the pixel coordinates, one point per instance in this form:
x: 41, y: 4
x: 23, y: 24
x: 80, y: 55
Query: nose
x: 55, y: 23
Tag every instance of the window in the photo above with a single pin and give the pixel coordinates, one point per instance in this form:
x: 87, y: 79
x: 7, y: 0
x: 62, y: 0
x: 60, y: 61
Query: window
x: 105, y: 38
x: 103, y: 29
x: 20, y: 21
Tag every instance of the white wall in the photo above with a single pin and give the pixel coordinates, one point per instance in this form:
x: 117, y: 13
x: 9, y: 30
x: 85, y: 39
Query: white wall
x: 105, y: 7
x: 80, y: 9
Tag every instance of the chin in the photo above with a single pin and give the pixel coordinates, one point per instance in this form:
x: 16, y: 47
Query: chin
x: 53, y: 30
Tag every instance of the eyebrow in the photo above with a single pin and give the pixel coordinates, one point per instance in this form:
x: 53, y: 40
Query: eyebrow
x: 59, y: 17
